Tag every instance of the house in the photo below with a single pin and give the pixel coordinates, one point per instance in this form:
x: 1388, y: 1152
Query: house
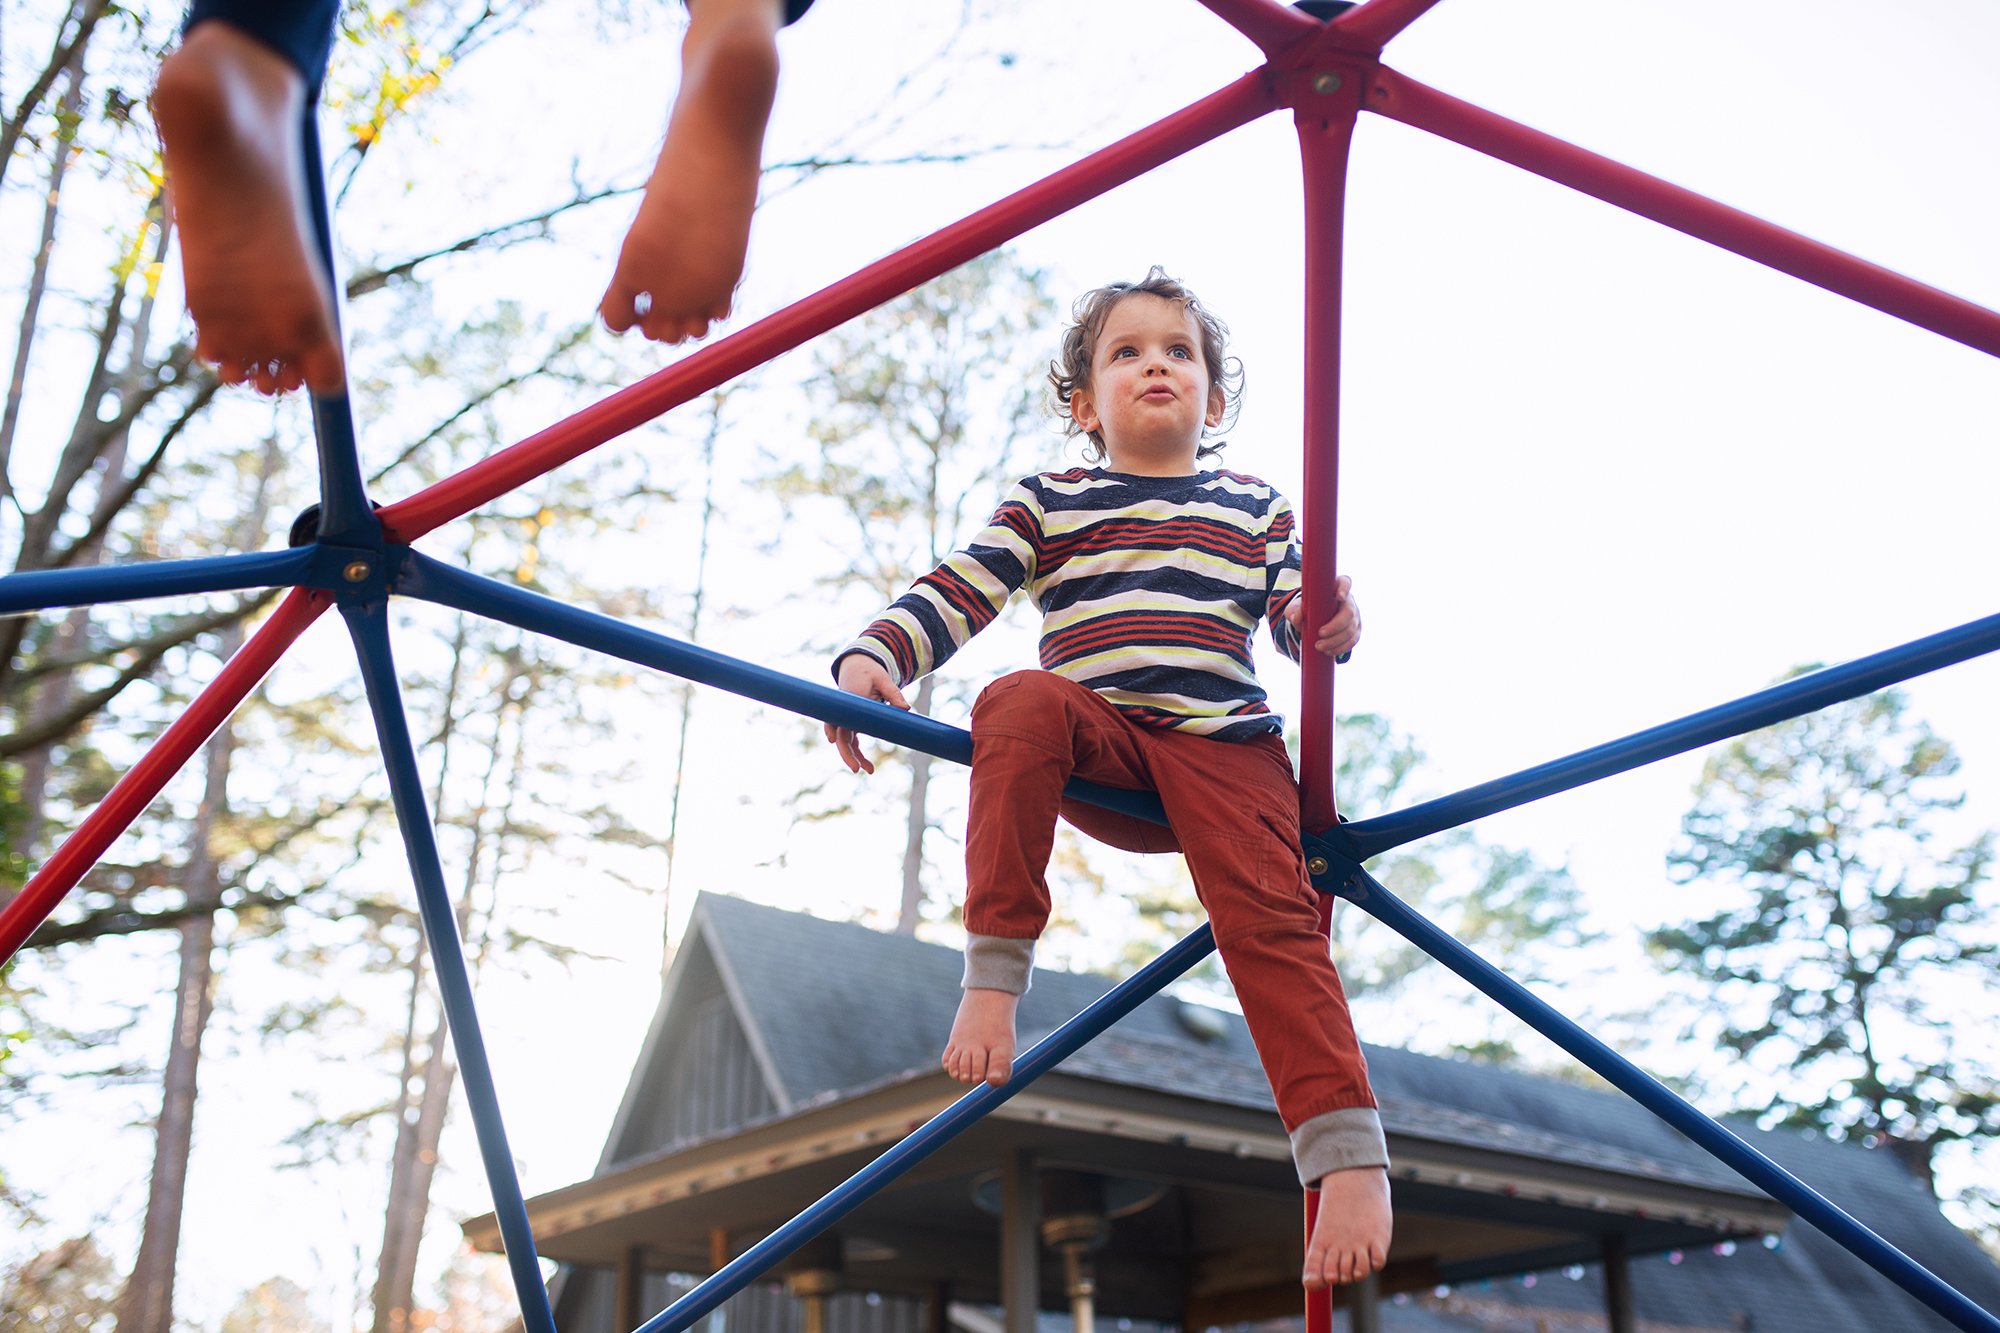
x: 788, y: 1051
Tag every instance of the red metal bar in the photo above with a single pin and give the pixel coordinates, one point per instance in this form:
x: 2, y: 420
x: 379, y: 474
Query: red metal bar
x: 1240, y: 102
x: 239, y: 675
x: 1266, y: 22
x: 1319, y: 1304
x: 1404, y: 99
x: 1326, y: 126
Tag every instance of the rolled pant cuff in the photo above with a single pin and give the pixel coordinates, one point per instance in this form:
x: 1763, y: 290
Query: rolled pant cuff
x: 994, y: 962
x: 1339, y: 1141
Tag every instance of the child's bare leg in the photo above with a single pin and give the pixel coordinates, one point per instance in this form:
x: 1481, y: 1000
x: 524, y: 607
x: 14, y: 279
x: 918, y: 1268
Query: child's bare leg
x: 685, y: 249
x: 1350, y: 1236
x: 229, y: 110
x: 982, y: 1037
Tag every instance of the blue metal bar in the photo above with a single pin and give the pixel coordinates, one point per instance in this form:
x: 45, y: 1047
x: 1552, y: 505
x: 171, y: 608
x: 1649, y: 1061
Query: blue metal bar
x: 434, y: 581
x: 369, y: 626
x: 1806, y: 694
x: 939, y: 1130
x: 88, y: 586
x: 345, y: 517
x: 1366, y: 892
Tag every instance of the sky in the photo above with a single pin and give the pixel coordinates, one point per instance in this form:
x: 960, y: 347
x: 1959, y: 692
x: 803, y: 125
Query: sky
x: 1596, y: 474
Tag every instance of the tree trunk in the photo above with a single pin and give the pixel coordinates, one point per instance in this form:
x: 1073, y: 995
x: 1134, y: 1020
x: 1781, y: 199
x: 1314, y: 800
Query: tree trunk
x: 716, y: 401
x: 405, y: 1154
x: 919, y: 824
x: 148, y: 1303
x: 415, y: 1160
x: 410, y: 1188
x: 1915, y: 1155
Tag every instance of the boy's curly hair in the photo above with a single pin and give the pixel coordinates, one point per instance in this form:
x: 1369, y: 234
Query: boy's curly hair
x: 1072, y: 371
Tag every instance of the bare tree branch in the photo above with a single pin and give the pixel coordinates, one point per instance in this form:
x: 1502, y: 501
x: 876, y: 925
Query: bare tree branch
x: 87, y: 438
x: 208, y: 387
x: 31, y: 304
x: 483, y: 397
x: 12, y: 129
x: 507, y: 233
x: 148, y: 654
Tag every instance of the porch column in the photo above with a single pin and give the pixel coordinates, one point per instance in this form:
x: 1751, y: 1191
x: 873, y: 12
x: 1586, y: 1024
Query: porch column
x: 1020, y: 1245
x: 937, y: 1308
x: 1617, y: 1285
x: 627, y: 1313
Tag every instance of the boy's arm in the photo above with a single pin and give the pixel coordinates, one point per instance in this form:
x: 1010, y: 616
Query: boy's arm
x: 1284, y: 591
x: 926, y: 625
x: 1285, y: 603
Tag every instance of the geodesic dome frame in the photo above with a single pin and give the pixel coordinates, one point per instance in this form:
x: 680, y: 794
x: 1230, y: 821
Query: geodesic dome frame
x: 1323, y: 64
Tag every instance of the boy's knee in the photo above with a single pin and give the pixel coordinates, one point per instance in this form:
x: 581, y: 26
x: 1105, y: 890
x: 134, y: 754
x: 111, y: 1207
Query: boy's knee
x: 1020, y: 695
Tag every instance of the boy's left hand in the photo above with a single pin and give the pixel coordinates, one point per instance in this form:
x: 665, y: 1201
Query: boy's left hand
x: 1338, y: 635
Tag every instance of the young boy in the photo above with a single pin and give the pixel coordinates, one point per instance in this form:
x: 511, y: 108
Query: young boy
x: 232, y: 101
x: 1151, y: 575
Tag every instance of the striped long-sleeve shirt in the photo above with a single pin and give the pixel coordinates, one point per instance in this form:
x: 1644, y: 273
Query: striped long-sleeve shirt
x: 1149, y: 587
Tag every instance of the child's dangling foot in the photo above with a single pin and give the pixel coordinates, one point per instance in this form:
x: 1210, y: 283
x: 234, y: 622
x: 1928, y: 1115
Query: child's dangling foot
x: 678, y: 268
x: 229, y: 109
x: 1350, y: 1236
x: 982, y: 1037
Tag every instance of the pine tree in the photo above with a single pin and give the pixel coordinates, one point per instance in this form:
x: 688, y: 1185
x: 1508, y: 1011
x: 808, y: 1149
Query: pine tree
x: 1851, y: 938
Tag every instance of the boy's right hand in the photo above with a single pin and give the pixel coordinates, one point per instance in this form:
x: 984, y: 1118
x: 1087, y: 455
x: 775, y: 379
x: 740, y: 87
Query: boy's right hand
x: 863, y: 675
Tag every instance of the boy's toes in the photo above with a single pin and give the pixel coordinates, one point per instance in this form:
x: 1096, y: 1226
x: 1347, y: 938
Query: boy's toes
x: 616, y: 309
x: 672, y: 329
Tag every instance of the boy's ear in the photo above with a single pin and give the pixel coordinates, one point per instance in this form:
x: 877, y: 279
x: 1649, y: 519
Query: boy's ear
x: 1217, y: 404
x: 1083, y: 410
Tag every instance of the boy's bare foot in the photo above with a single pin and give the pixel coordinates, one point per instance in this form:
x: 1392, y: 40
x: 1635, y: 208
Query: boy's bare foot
x: 229, y: 110
x: 680, y: 262
x: 1350, y: 1236
x: 982, y: 1038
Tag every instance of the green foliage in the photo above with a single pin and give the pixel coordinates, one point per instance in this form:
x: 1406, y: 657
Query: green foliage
x: 1848, y: 944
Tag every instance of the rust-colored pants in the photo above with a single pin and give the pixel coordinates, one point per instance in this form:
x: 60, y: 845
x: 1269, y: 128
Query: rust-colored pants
x: 1235, y: 812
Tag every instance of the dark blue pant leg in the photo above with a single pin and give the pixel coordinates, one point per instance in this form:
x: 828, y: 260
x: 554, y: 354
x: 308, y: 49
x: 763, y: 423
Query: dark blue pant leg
x: 299, y: 30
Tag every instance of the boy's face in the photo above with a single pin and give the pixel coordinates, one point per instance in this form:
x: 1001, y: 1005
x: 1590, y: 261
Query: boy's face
x: 1149, y: 393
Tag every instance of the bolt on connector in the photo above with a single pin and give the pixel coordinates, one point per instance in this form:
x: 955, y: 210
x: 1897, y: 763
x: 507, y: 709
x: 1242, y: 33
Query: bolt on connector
x: 1329, y: 82
x: 356, y: 571
x: 1316, y: 866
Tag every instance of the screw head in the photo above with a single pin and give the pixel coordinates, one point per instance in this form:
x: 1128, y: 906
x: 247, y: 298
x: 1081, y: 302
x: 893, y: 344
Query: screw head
x: 1329, y: 82
x: 1316, y: 865
x: 356, y: 571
